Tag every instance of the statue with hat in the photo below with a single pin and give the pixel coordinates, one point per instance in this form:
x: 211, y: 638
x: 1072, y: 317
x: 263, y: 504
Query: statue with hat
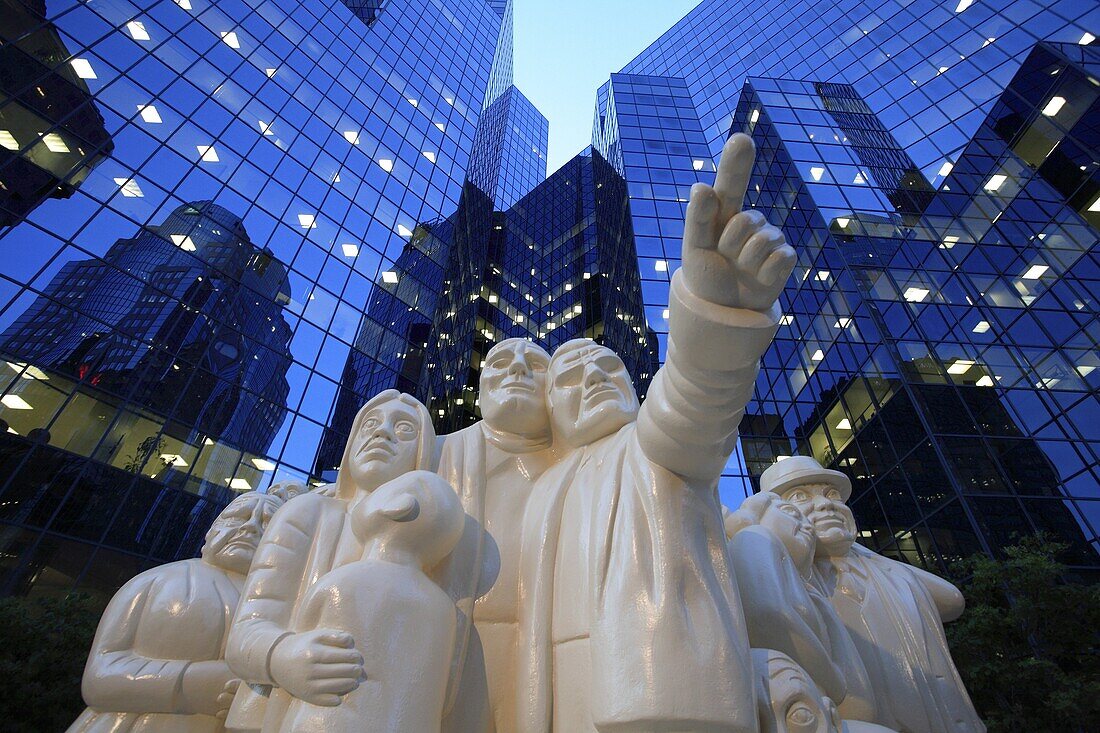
x: 894, y: 612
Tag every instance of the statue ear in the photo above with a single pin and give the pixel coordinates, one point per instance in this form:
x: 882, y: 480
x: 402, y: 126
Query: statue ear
x: 404, y: 508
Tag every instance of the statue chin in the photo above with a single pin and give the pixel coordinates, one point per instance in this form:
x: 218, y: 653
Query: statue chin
x: 599, y: 422
x: 372, y: 474
x: 520, y: 413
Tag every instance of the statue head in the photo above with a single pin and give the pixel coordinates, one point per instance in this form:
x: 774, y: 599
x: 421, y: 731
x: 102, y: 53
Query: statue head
x: 392, y: 434
x: 782, y: 518
x: 590, y: 393
x: 417, y: 516
x: 787, y: 700
x: 820, y: 494
x: 288, y: 489
x: 234, y: 536
x: 513, y: 388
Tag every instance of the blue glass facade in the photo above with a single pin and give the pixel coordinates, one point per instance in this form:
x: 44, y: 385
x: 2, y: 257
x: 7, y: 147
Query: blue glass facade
x: 911, y: 86
x: 197, y: 201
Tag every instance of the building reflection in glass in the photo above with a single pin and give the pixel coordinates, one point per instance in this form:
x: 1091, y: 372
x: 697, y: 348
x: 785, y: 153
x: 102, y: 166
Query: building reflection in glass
x: 939, y: 345
x: 51, y: 133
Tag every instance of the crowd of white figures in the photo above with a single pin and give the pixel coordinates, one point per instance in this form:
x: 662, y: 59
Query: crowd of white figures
x: 562, y: 566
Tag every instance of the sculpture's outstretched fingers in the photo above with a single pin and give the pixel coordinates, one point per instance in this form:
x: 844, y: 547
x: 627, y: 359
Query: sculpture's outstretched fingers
x: 758, y: 248
x: 734, y: 170
x: 777, y: 268
x: 738, y: 231
x: 699, y: 224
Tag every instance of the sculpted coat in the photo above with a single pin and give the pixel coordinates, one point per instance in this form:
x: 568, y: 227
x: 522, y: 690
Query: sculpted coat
x: 157, y: 661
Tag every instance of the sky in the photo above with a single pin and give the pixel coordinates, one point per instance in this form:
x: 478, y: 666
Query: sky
x: 566, y: 49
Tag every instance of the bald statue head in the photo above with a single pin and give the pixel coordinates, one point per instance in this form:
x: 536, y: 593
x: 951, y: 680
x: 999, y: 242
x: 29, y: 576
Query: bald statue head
x: 513, y: 389
x: 591, y: 394
x: 234, y: 536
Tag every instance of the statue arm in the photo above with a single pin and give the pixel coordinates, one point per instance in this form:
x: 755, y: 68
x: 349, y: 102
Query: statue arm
x: 723, y: 314
x: 119, y: 679
x: 948, y: 599
x: 767, y: 587
x: 688, y: 423
x: 271, y: 591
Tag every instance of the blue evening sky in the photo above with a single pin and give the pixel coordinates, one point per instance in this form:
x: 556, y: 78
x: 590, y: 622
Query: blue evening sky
x: 565, y: 49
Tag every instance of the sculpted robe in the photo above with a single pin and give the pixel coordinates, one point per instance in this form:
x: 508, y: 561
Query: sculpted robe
x: 630, y: 618
x: 287, y: 563
x: 788, y: 613
x: 898, y: 631
x: 144, y: 644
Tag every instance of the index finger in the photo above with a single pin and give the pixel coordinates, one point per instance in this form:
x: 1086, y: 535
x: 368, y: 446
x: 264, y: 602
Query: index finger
x: 734, y: 170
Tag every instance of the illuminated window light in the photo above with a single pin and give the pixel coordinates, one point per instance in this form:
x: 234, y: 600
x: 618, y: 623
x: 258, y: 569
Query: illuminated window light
x: 263, y: 464
x: 916, y: 295
x: 941, y: 70
x: 519, y: 319
x: 981, y: 327
x: 270, y: 72
x: 1086, y: 39
x: 389, y: 276
x: 83, y: 69
x: 988, y: 41
x: 576, y: 309
x: 754, y: 116
x: 54, y: 143
x: 660, y: 266
x: 137, y: 30
x: 949, y: 241
x: 15, y: 402
x: 172, y: 459
x: 8, y: 140
x: 430, y: 156
x: 960, y: 366
x: 130, y: 188
x: 208, y: 154
x: 185, y: 4
x: 781, y: 458
x: 307, y: 221
x: 823, y: 275
x: 985, y: 381
x: 385, y: 164
x: 664, y: 314
x: 1085, y: 369
x: 239, y: 484
x: 350, y: 250
x: 441, y: 126
x: 149, y: 114
x: 817, y: 172
x: 1035, y: 272
x: 786, y: 320
x: 818, y: 355
x: 945, y: 169
x: 230, y: 38
x: 844, y: 424
x: 995, y: 182
x: 265, y: 127
x: 843, y: 222
x: 352, y: 136
x: 963, y: 5
x: 1095, y: 205
x: 697, y: 165
x: 404, y: 231
x: 413, y: 102
x: 1054, y: 106
x: 859, y: 179
x: 842, y: 323
x: 183, y: 241
x: 587, y: 275
x: 493, y: 299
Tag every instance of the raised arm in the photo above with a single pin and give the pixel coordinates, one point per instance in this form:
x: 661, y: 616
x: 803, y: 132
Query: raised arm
x: 722, y: 316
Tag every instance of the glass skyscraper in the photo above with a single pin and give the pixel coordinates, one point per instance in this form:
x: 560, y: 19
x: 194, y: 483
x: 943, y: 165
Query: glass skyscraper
x: 197, y: 200
x: 226, y: 224
x: 935, y: 165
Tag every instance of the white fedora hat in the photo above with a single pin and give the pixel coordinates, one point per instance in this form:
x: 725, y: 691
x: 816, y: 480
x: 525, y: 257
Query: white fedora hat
x: 798, y: 470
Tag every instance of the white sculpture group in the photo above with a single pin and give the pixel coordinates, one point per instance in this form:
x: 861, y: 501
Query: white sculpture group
x: 561, y: 567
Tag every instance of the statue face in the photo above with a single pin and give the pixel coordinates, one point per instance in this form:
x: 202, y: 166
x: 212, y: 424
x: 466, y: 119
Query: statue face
x: 385, y: 446
x: 792, y: 528
x: 591, y: 395
x: 513, y: 389
x: 232, y: 539
x: 794, y: 704
x: 831, y: 518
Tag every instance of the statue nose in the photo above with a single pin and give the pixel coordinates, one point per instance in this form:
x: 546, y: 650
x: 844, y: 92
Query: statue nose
x: 594, y: 375
x: 519, y: 367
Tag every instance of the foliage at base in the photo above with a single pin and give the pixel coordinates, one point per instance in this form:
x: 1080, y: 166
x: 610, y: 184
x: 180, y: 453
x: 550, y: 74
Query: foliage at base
x: 1028, y: 645
x: 43, y: 645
